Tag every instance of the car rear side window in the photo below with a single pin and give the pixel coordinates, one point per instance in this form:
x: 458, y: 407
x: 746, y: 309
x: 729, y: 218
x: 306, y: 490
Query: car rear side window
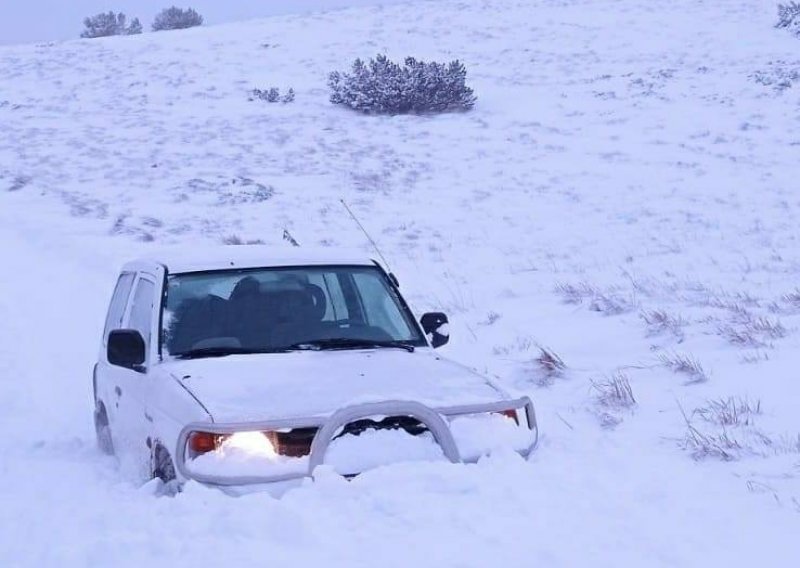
x: 141, y: 316
x: 116, y: 310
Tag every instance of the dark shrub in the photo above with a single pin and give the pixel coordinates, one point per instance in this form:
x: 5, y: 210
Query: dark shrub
x: 789, y: 17
x: 110, y: 24
x: 384, y: 87
x: 175, y: 18
x: 272, y: 95
x: 135, y: 27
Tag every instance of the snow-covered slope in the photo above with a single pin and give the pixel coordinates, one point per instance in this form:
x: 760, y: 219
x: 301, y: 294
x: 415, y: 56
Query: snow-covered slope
x: 625, y: 159
x: 53, y: 20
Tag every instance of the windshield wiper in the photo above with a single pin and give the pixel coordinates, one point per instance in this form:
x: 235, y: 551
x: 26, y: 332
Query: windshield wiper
x: 221, y: 352
x: 350, y: 343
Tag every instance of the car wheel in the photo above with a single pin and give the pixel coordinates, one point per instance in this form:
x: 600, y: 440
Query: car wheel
x: 103, y: 431
x: 163, y: 466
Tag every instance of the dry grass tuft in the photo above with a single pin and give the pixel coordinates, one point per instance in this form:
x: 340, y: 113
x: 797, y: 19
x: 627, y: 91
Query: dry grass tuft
x: 236, y: 240
x: 771, y: 328
x: 659, y: 322
x: 733, y: 432
x: 748, y: 330
x: 615, y: 392
x: 740, y: 336
x: 684, y: 365
x: 754, y: 357
x: 701, y: 446
x: 549, y: 365
x: 550, y: 362
x: 792, y: 299
x: 606, y: 302
x: 731, y: 411
x: 491, y: 318
x: 575, y: 293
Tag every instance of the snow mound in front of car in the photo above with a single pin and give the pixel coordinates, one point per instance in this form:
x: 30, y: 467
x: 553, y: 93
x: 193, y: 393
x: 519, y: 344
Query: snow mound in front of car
x: 351, y: 454
x: 475, y: 436
x: 481, y: 434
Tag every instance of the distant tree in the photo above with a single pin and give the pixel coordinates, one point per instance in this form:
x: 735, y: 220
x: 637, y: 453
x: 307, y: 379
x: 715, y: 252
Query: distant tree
x: 110, y: 24
x: 135, y: 27
x: 175, y: 18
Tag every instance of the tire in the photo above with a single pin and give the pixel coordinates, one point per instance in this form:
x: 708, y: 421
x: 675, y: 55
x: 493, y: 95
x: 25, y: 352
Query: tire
x: 163, y: 466
x: 105, y: 442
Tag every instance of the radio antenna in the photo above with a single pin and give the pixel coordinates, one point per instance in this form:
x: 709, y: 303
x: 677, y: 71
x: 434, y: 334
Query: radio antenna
x: 366, y: 234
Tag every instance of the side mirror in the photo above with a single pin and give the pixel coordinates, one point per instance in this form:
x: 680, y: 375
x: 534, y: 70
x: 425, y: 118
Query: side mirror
x: 126, y: 349
x: 435, y: 325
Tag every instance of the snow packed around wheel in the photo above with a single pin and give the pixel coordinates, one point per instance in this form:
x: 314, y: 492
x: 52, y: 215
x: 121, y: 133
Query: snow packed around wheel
x: 602, y: 196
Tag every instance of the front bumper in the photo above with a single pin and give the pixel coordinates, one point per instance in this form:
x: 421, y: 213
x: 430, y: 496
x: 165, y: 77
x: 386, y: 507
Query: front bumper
x: 436, y: 420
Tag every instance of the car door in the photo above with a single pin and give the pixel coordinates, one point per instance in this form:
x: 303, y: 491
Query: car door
x: 130, y: 386
x: 103, y: 382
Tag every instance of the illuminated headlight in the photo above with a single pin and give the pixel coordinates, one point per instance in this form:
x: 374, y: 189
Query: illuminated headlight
x: 253, y: 443
x: 256, y: 444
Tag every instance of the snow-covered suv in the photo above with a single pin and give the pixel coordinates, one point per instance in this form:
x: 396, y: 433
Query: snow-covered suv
x: 246, y: 366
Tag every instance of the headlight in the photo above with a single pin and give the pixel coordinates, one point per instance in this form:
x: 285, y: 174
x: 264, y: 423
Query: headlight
x: 257, y: 444
x: 203, y: 442
x: 512, y: 414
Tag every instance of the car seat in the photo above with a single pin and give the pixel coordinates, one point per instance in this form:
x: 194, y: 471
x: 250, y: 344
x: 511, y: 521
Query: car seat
x: 299, y: 313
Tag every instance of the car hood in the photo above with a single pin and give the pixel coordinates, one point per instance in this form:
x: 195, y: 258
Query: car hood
x: 317, y: 383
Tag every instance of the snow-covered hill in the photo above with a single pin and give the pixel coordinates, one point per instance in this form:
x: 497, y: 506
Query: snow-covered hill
x: 55, y: 20
x: 627, y: 162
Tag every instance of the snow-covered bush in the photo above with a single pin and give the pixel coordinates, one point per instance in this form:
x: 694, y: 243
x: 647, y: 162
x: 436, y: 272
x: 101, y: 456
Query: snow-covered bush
x: 272, y: 95
x: 381, y: 86
x: 780, y: 75
x: 175, y: 18
x: 789, y: 17
x: 110, y: 24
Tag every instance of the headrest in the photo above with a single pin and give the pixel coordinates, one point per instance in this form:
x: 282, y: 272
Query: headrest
x: 247, y: 286
x: 307, y: 302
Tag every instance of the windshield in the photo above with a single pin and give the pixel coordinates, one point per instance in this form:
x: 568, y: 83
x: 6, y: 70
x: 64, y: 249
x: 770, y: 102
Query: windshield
x: 274, y: 309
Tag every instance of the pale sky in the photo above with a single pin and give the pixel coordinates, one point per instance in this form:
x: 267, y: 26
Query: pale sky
x: 27, y: 21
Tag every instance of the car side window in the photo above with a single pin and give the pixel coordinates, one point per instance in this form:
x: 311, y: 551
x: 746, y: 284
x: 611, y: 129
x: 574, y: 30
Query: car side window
x: 116, y: 309
x: 382, y: 311
x: 141, y: 316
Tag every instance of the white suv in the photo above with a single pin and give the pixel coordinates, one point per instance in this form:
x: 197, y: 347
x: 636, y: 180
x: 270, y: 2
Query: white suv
x: 247, y: 366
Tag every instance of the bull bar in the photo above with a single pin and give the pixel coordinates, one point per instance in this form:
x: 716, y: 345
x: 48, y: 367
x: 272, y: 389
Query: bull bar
x: 330, y: 426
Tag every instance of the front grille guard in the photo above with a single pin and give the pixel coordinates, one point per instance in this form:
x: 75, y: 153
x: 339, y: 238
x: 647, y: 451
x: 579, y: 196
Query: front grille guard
x: 330, y: 426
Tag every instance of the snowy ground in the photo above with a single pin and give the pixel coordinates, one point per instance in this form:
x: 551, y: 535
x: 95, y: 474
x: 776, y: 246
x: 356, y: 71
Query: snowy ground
x: 624, y: 158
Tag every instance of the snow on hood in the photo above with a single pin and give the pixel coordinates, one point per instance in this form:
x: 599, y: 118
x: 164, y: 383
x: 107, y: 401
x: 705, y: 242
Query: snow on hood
x: 317, y: 383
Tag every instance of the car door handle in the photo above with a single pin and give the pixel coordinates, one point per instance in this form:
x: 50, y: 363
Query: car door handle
x: 118, y: 391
